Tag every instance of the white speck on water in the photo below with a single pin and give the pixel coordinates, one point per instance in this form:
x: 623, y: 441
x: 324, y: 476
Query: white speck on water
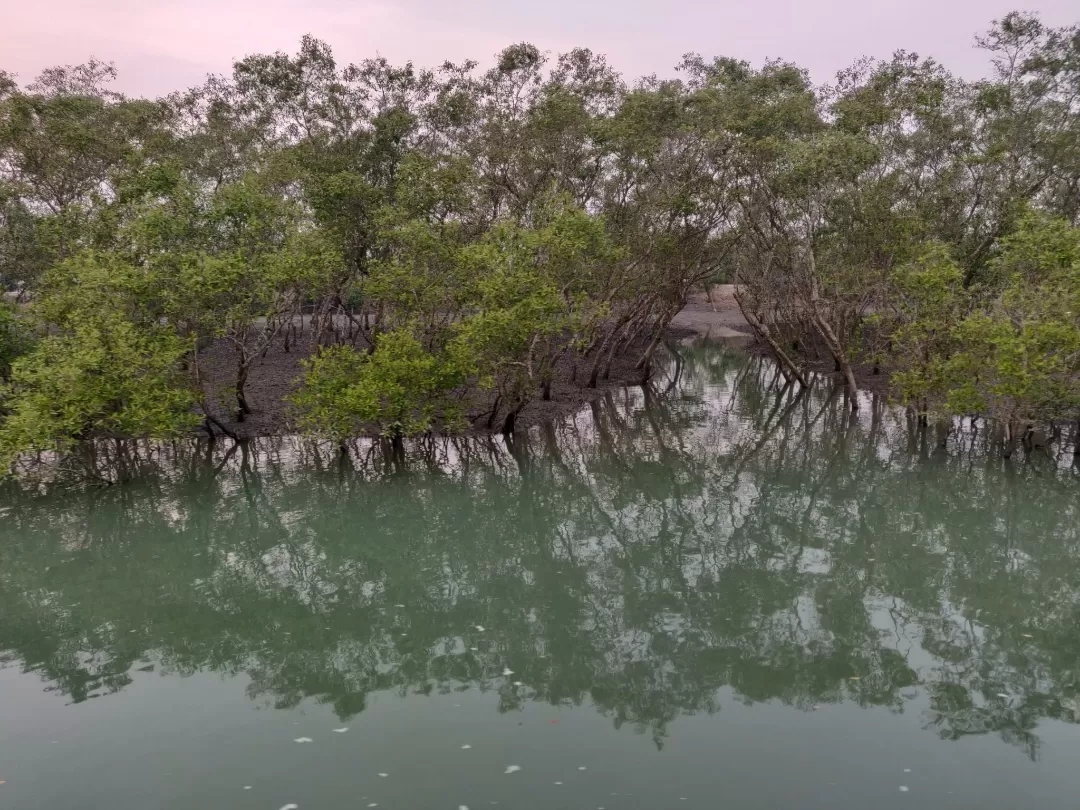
x: 466, y: 747
x: 341, y: 730
x: 373, y: 804
x: 1027, y: 635
x: 904, y: 788
x: 518, y: 683
x: 289, y: 806
x: 247, y: 787
x: 480, y: 628
x: 384, y: 775
x: 508, y: 672
x: 1003, y: 695
x: 512, y: 769
x: 399, y: 606
x: 462, y: 807
x: 581, y: 767
x: 474, y: 649
x: 907, y: 770
x: 558, y: 783
x: 303, y: 740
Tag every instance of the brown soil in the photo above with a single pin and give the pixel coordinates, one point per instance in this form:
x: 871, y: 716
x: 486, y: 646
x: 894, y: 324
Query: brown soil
x: 719, y: 318
x: 276, y: 374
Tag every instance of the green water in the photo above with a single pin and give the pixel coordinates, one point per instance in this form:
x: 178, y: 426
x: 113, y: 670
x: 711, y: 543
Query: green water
x: 716, y: 596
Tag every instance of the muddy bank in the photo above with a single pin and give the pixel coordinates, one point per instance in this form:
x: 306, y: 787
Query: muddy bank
x: 715, y: 315
x: 275, y: 375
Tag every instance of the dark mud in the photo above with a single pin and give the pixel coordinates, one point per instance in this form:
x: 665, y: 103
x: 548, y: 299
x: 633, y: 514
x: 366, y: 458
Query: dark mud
x: 276, y: 374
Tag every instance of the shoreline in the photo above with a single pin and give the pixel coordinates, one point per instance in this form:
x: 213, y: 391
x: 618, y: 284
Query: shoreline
x: 273, y: 377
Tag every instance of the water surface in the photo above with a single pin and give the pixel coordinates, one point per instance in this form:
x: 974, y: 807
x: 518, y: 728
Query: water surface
x: 711, y: 594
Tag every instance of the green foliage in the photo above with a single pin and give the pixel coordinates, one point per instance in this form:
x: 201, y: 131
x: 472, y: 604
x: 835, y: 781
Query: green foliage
x: 398, y: 387
x: 1009, y: 348
x: 928, y: 300
x: 1019, y: 355
x: 482, y: 227
x: 16, y: 338
x: 105, y: 377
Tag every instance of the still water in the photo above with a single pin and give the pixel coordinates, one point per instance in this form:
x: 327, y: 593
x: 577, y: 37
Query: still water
x: 716, y: 595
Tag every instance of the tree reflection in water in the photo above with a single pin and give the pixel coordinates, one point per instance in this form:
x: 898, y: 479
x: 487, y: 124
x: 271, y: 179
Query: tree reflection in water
x: 639, y: 557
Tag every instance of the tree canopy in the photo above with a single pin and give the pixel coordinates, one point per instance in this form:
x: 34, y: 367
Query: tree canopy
x: 431, y: 232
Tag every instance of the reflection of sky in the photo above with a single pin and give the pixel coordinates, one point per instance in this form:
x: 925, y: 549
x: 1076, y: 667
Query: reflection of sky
x: 650, y: 562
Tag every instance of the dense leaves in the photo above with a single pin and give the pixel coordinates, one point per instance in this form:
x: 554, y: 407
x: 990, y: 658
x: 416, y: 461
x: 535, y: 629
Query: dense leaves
x: 453, y: 231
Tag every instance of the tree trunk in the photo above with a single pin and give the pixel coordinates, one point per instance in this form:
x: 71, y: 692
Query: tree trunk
x: 511, y: 418
x: 834, y: 346
x: 763, y: 333
x: 241, y: 382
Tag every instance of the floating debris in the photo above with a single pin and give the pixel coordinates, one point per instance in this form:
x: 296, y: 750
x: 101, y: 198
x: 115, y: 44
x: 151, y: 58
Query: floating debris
x: 373, y: 804
x: 384, y: 775
x: 508, y: 672
x: 1027, y: 635
x: 518, y: 683
x: 581, y: 767
x: 855, y: 678
x: 466, y: 747
x: 341, y: 730
x: 907, y: 770
x: 303, y: 740
x: 290, y: 806
x: 904, y: 788
x: 512, y: 769
x: 399, y: 606
x: 480, y: 628
x: 462, y: 807
x: 247, y: 787
x: 558, y: 783
x: 1002, y: 695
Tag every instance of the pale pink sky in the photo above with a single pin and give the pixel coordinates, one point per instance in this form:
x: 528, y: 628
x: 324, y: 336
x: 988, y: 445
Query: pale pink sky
x: 160, y: 46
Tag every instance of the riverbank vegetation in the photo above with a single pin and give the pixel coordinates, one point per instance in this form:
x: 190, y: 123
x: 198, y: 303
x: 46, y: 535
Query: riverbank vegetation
x: 426, y: 234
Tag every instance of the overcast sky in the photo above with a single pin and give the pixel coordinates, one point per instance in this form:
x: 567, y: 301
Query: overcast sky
x: 160, y: 46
